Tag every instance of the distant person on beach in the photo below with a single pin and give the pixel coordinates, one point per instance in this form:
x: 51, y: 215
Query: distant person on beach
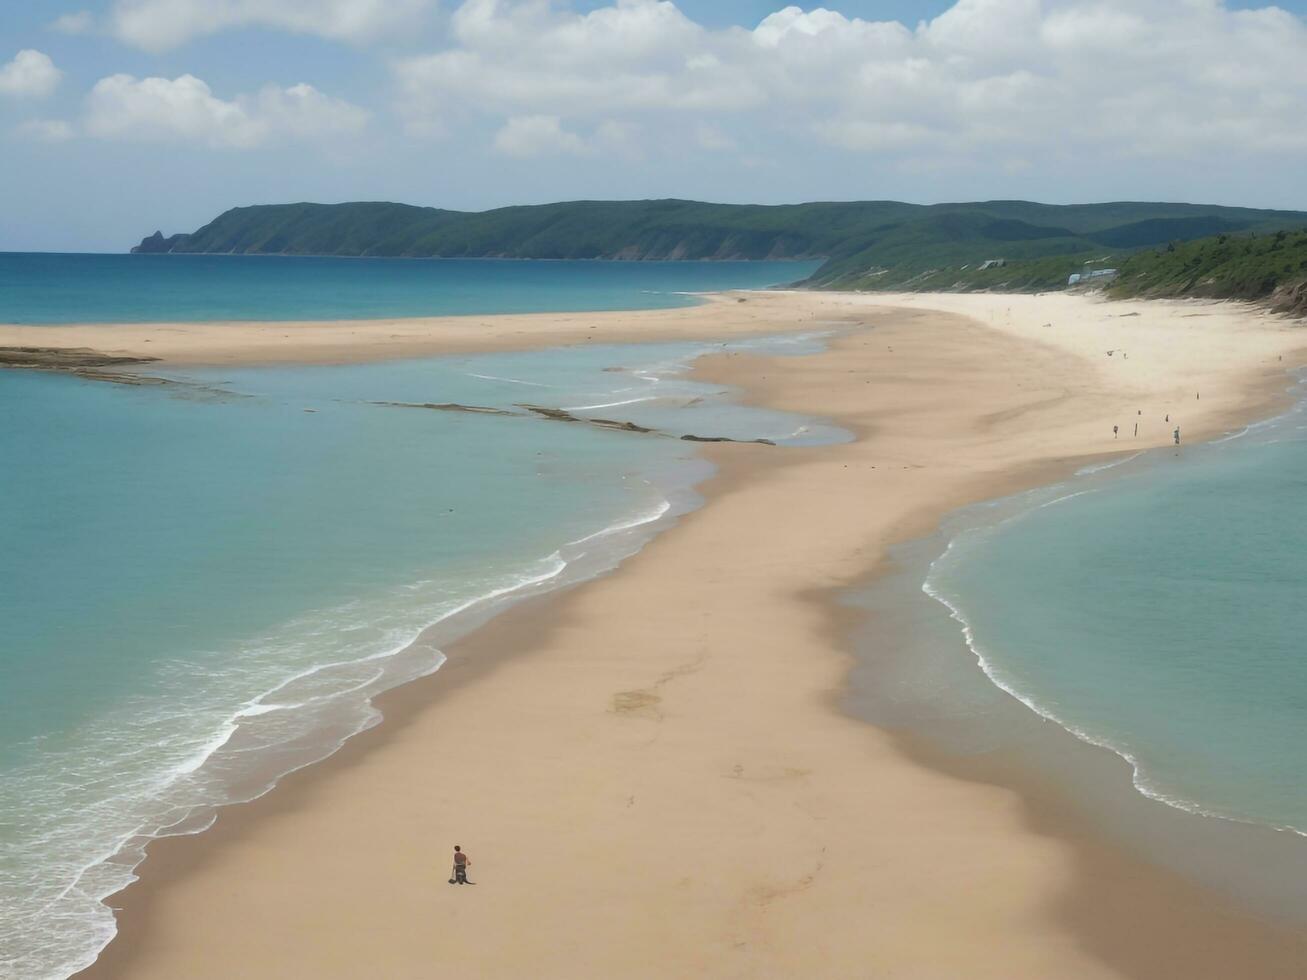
x: 1115, y: 430
x: 1177, y: 435
x: 460, y: 867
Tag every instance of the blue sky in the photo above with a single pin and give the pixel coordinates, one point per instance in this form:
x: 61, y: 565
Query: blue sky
x: 121, y: 116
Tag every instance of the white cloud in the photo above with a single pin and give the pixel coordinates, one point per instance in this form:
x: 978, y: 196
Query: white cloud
x: 31, y: 73
x: 185, y: 109
x: 988, y: 79
x: 304, y: 112
x: 793, y: 25
x: 532, y: 136
x: 536, y: 136
x: 46, y: 130
x: 123, y: 107
x: 157, y: 25
x: 79, y: 22
x: 519, y: 57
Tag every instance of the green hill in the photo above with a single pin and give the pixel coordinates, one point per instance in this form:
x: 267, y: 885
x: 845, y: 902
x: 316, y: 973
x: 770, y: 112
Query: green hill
x: 866, y: 244
x: 579, y: 229
x: 1270, y: 268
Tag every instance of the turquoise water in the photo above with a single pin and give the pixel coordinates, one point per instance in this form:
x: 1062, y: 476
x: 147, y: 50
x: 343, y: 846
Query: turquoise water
x: 1160, y: 614
x: 1132, y: 638
x: 204, y: 584
x: 59, y: 288
x: 1131, y: 644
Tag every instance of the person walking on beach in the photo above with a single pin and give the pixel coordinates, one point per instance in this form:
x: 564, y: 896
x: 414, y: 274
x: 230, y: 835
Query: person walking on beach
x: 460, y: 867
x: 1115, y: 430
x: 1177, y: 435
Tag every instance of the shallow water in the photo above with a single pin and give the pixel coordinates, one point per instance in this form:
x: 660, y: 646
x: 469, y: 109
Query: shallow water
x: 205, y: 583
x: 1161, y: 614
x: 1151, y: 610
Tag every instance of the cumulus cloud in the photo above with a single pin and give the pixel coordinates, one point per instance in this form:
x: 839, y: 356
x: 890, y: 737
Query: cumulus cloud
x: 535, y: 136
x: 185, y: 109
x: 304, y: 112
x: 1011, y: 78
x: 157, y: 25
x: 30, y: 74
x: 530, y: 136
x: 79, y: 22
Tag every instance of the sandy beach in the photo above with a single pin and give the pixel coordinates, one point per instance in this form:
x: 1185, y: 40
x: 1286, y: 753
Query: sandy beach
x: 351, y: 341
x: 652, y: 772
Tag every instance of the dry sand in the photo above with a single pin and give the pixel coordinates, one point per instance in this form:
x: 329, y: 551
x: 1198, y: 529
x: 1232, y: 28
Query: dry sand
x: 651, y: 773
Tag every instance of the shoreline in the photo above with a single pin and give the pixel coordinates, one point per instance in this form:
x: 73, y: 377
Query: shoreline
x: 718, y: 316
x: 490, y: 651
x: 1070, y: 778
x: 1012, y: 509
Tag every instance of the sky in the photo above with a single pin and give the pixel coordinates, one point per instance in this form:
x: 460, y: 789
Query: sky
x: 120, y: 117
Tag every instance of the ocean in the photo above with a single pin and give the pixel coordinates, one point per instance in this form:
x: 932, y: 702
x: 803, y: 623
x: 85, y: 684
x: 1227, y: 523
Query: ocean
x: 39, y: 287
x: 204, y: 584
x: 1135, y: 636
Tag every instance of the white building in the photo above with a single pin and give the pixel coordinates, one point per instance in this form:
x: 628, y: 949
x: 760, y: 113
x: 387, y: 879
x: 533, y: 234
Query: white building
x: 1092, y: 276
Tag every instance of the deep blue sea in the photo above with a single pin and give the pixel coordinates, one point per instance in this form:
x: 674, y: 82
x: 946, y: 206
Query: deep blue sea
x: 39, y: 287
x: 202, y: 585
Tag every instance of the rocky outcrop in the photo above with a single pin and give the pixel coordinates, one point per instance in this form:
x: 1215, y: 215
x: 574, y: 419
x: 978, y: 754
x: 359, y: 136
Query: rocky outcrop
x: 448, y: 407
x: 562, y: 415
x: 156, y: 243
x: 84, y: 362
x: 757, y: 442
x: 65, y: 358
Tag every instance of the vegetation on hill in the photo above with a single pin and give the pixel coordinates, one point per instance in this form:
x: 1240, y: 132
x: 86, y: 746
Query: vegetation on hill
x: 1270, y: 268
x: 574, y: 230
x: 866, y: 244
x: 1028, y: 276
x: 1263, y: 267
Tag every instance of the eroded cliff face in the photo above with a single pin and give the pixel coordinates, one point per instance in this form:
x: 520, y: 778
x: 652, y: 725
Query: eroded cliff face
x: 1291, y: 298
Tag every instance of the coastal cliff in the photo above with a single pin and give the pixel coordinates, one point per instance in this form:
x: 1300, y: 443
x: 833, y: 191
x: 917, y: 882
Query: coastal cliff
x: 157, y: 243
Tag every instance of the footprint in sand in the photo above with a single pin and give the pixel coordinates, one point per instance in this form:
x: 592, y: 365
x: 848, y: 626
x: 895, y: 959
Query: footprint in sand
x: 644, y: 703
